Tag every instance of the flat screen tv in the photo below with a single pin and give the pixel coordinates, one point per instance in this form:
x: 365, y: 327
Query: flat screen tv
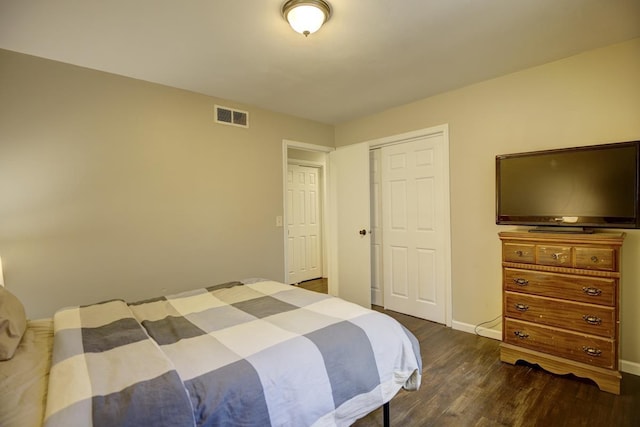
x: 571, y: 189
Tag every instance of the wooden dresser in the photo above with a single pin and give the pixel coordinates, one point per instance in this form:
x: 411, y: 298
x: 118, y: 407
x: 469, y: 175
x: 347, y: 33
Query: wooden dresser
x: 560, y: 304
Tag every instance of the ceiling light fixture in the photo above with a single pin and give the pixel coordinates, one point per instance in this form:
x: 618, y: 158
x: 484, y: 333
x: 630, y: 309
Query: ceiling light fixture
x: 306, y: 16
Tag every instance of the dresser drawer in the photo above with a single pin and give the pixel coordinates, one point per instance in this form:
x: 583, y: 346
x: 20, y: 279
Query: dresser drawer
x: 559, y: 256
x: 592, y: 290
x: 571, y: 345
x: 587, y: 318
x: 595, y: 258
x: 519, y: 252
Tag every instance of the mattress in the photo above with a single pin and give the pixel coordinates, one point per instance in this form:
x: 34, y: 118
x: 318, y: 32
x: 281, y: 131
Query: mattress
x: 335, y: 395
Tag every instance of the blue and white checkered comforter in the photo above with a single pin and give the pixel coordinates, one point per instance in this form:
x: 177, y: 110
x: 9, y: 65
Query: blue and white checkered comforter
x: 255, y: 354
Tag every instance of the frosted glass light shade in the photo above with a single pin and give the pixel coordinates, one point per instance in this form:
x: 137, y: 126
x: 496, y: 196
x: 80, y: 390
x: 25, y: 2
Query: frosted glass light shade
x: 306, y: 16
x: 305, y: 19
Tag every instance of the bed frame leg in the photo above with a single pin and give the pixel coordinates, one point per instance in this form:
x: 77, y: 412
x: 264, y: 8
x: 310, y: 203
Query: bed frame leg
x: 385, y: 414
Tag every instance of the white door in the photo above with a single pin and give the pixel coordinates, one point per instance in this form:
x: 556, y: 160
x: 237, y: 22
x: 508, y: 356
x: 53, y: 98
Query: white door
x: 377, y: 279
x: 303, y: 224
x: 415, y: 227
x: 349, y: 210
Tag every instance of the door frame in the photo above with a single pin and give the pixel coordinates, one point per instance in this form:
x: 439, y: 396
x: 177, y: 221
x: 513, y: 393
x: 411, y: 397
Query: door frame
x: 286, y: 144
x: 421, y: 133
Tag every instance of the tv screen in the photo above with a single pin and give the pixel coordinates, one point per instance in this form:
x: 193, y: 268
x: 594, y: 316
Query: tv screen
x: 594, y: 186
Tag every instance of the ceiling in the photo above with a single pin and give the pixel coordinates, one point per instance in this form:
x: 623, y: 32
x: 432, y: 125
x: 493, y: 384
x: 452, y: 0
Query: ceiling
x: 370, y: 56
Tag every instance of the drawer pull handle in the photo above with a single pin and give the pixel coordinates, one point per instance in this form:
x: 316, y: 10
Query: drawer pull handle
x: 558, y: 256
x: 592, y: 320
x: 519, y: 253
x: 521, y: 335
x: 594, y: 292
x: 521, y: 282
x: 595, y: 352
x: 522, y: 307
x: 594, y: 258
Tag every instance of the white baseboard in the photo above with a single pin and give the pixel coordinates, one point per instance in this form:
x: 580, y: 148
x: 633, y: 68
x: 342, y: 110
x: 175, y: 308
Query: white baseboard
x: 625, y: 366
x: 485, y: 332
x: 630, y: 367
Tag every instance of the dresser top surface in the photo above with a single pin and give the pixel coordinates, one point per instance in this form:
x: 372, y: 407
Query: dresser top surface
x: 613, y: 238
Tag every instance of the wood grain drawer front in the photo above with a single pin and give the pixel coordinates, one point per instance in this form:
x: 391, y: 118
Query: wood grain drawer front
x: 518, y: 252
x: 571, y: 345
x: 595, y: 258
x: 587, y: 318
x: 559, y: 256
x: 593, y: 290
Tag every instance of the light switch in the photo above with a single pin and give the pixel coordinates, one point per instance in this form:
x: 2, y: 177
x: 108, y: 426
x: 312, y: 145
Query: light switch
x: 279, y: 221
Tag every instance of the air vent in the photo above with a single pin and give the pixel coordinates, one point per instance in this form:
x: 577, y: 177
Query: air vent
x: 230, y: 116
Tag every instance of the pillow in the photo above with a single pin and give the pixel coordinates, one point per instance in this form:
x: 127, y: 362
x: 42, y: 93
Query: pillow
x: 13, y: 322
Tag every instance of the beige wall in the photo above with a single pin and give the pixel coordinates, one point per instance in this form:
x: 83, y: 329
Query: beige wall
x: 117, y: 188
x: 310, y: 156
x: 586, y: 99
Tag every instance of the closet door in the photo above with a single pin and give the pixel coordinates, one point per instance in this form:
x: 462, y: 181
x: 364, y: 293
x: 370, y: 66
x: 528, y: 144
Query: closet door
x: 377, y: 279
x: 415, y: 227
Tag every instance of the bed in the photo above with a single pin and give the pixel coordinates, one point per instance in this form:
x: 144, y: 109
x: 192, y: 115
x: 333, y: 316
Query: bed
x: 249, y: 353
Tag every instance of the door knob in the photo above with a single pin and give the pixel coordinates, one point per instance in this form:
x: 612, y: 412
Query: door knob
x: 363, y: 232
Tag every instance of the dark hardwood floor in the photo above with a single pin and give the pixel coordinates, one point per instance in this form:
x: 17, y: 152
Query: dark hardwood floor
x: 465, y: 384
